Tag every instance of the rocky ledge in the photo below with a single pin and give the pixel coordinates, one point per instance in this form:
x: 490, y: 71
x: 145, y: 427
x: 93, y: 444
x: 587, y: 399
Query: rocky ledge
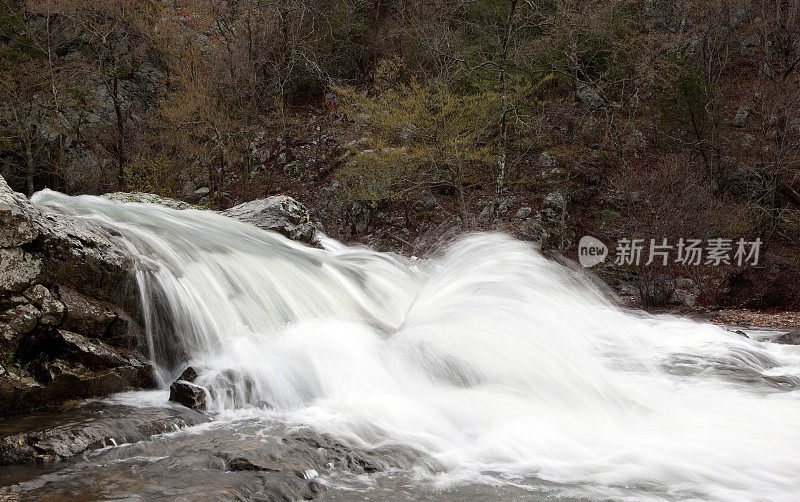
x: 68, y: 303
x: 54, y: 436
x: 64, y: 333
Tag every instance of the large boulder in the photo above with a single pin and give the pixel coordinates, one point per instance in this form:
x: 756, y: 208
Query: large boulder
x: 63, y: 333
x: 280, y: 214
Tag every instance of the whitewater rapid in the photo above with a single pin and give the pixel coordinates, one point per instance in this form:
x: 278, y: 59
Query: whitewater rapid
x: 495, y: 362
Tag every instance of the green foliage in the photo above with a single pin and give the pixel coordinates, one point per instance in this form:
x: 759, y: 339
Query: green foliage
x: 148, y: 174
x: 8, y: 359
x: 16, y: 47
x: 422, y: 134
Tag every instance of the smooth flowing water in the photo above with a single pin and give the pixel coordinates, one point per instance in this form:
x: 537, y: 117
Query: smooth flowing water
x: 505, y: 368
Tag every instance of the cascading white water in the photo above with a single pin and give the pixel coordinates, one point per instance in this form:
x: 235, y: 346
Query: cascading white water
x: 489, y: 358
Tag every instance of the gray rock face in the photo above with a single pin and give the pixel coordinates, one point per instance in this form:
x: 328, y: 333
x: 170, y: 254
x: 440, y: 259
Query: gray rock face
x: 16, y: 224
x: 740, y: 119
x: 19, y: 269
x: 589, y: 96
x: 523, y: 213
x: 790, y: 338
x: 74, y: 247
x: 58, y: 277
x: 685, y: 298
x: 280, y: 214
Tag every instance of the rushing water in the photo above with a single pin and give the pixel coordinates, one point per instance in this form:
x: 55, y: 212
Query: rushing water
x: 505, y: 368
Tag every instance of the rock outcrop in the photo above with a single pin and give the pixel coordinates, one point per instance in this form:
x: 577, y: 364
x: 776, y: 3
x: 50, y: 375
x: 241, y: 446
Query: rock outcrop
x: 63, y: 333
x: 280, y: 213
x: 58, y: 436
x: 790, y: 338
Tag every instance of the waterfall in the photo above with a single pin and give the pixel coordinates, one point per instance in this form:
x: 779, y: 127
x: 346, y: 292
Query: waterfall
x: 488, y: 357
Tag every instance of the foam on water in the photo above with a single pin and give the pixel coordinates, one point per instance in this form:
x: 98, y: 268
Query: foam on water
x: 489, y: 358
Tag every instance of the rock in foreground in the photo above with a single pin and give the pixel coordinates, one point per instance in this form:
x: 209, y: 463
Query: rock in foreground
x: 63, y: 333
x: 61, y: 435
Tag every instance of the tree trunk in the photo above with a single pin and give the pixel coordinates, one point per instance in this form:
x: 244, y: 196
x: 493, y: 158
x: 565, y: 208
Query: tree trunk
x: 29, y: 173
x: 503, y: 140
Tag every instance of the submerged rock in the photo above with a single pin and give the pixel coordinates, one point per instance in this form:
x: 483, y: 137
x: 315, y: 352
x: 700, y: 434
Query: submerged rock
x: 64, y: 434
x: 246, y: 459
x: 280, y: 214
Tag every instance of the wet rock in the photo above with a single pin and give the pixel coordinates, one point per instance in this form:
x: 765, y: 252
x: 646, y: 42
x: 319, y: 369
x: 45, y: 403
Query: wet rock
x: 190, y: 374
x: 19, y: 391
x: 740, y: 333
x: 92, y: 353
x: 64, y: 380
x: 85, y: 315
x: 186, y: 392
x: 280, y: 214
x: 790, y: 338
x: 59, y: 366
x: 191, y: 395
x: 247, y: 460
x: 75, y: 431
